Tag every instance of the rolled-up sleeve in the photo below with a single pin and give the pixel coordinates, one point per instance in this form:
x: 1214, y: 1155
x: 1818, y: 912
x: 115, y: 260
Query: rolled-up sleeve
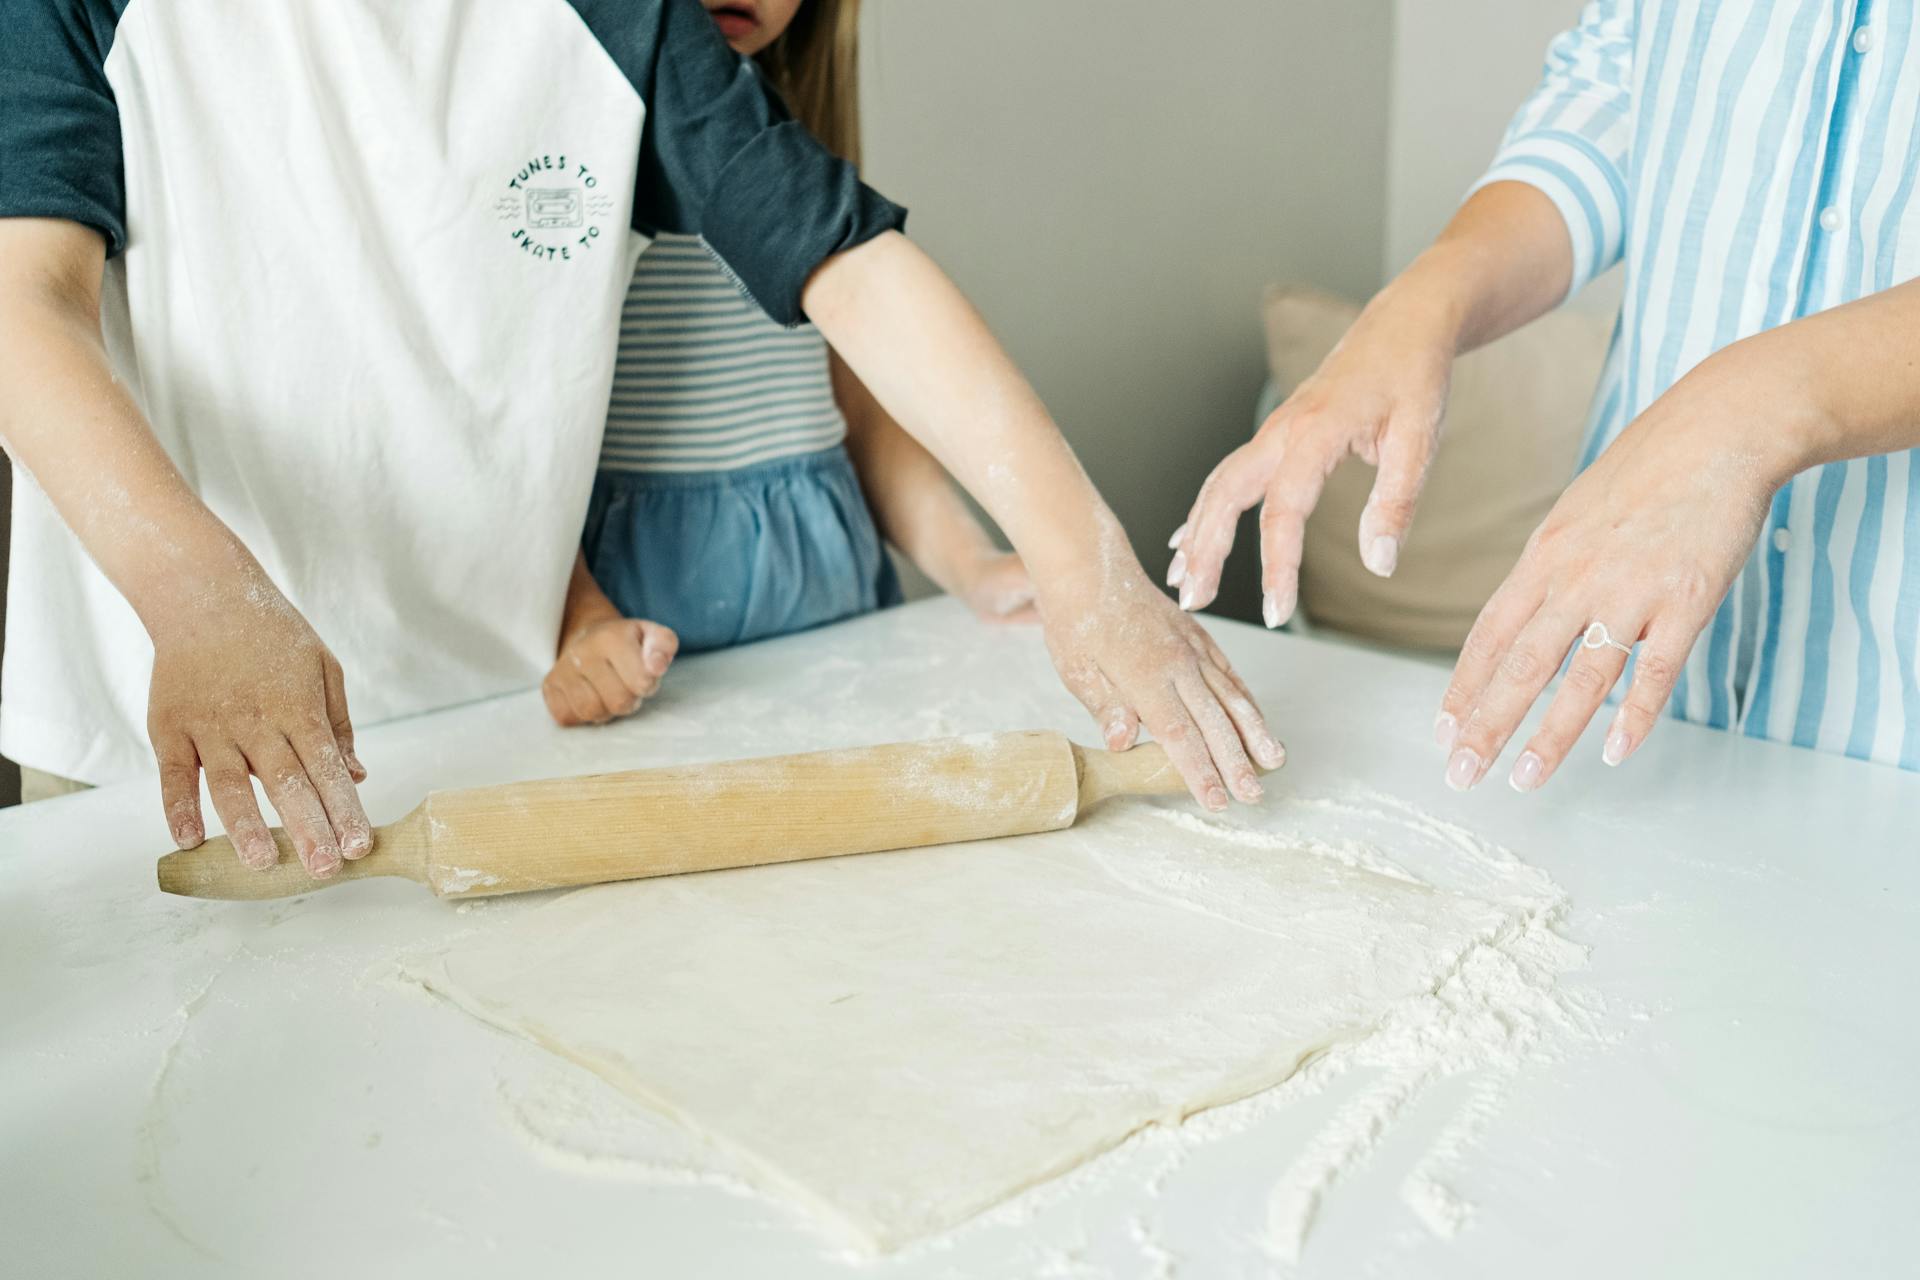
x: 1570, y: 139
x: 722, y: 158
x: 59, y: 125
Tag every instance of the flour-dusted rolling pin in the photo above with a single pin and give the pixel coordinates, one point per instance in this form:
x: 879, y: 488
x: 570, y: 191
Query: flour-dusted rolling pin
x: 739, y: 813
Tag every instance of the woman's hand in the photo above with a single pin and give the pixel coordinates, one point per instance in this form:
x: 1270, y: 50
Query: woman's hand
x: 1646, y: 543
x: 242, y: 688
x: 1134, y: 659
x: 1379, y: 395
x: 996, y: 586
x: 606, y: 669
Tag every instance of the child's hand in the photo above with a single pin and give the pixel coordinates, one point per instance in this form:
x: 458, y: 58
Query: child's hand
x: 242, y: 686
x: 1133, y: 659
x: 998, y: 589
x: 606, y: 669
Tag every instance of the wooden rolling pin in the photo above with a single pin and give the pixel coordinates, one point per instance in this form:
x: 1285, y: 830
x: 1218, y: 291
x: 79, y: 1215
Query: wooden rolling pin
x: 658, y: 822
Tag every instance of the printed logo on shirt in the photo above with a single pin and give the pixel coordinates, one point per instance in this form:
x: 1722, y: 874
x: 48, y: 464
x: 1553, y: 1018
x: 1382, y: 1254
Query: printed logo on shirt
x: 553, y: 208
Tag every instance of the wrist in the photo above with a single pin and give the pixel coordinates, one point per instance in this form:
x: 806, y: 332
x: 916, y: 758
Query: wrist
x: 1765, y: 400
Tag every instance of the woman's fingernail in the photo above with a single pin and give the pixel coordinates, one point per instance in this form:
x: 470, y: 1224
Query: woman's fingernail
x: 1619, y: 747
x: 357, y: 844
x: 258, y: 852
x: 1463, y: 768
x: 323, y: 862
x: 1283, y: 605
x: 1117, y: 736
x: 1526, y: 772
x: 1272, y: 754
x: 1248, y: 788
x: 1177, y: 571
x: 1445, y: 728
x: 1269, y: 611
x: 1216, y: 797
x: 1187, y: 596
x: 1383, y: 554
x: 1178, y: 535
x: 354, y: 767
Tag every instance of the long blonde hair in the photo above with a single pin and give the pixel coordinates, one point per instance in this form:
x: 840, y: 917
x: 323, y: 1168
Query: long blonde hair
x: 815, y: 64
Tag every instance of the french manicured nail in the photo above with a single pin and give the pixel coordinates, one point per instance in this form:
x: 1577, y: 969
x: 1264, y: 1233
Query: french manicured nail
x: 1618, y: 747
x: 1216, y: 797
x: 1526, y: 772
x: 1463, y: 768
x: 1178, y: 534
x: 1445, y: 730
x: 1187, y: 596
x: 1177, y: 571
x: 1270, y: 611
x: 1383, y: 553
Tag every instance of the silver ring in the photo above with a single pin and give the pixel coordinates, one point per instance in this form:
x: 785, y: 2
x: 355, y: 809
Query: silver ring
x: 1597, y: 637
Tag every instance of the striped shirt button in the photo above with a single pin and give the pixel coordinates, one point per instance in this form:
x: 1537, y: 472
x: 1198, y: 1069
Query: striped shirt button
x: 1829, y: 219
x: 1863, y: 39
x: 1782, y: 540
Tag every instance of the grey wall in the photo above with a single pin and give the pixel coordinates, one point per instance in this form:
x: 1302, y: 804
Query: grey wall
x: 1115, y: 182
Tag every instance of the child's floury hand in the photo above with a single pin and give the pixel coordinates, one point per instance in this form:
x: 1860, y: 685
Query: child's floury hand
x: 998, y: 589
x: 1133, y: 659
x: 606, y: 669
x: 242, y: 686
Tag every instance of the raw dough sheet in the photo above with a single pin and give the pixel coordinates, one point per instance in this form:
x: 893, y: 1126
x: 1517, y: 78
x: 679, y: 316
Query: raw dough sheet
x: 899, y: 1041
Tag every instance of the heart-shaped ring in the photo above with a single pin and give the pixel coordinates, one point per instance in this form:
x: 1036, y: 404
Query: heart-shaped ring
x: 1597, y: 636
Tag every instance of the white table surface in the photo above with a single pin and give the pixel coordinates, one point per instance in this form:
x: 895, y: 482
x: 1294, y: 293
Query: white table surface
x: 216, y: 1089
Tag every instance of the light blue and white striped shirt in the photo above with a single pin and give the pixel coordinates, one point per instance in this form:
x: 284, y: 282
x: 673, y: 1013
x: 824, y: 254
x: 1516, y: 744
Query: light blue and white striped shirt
x: 1752, y: 164
x: 704, y: 380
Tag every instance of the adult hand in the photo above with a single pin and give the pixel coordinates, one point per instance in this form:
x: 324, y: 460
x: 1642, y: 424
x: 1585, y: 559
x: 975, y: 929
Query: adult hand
x: 1379, y: 395
x: 242, y: 688
x: 1646, y: 544
x: 1133, y: 659
x: 606, y: 669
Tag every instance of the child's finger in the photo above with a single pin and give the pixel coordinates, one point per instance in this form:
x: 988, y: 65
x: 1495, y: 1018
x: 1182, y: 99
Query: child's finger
x: 231, y: 787
x: 609, y: 690
x: 1166, y: 717
x: 629, y: 664
x: 180, y: 789
x: 327, y: 768
x: 1119, y: 726
x: 556, y: 701
x: 1221, y: 735
x: 581, y: 699
x: 1246, y: 717
x: 658, y: 645
x: 293, y: 797
x: 337, y: 717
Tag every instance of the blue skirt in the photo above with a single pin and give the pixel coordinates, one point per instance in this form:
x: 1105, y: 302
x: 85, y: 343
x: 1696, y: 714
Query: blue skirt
x: 727, y: 557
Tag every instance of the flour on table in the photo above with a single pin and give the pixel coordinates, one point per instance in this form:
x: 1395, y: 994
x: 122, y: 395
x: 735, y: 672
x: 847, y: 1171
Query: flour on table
x: 899, y: 1042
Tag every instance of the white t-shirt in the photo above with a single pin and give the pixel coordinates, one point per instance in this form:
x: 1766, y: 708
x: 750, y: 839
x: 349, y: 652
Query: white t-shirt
x: 367, y: 273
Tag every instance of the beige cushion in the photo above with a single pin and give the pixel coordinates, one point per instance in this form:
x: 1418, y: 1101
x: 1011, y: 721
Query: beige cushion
x: 1508, y: 448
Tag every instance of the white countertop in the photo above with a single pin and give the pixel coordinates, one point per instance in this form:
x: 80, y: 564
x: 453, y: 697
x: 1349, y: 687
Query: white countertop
x: 216, y: 1089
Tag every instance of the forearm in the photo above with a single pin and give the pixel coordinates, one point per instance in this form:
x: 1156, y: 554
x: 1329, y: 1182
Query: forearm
x: 913, y: 498
x: 1504, y: 259
x: 1847, y: 381
x: 914, y: 340
x: 586, y: 603
x: 77, y: 432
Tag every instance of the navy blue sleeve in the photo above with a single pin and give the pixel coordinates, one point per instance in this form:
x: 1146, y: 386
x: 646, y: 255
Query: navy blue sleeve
x: 721, y: 157
x: 59, y: 126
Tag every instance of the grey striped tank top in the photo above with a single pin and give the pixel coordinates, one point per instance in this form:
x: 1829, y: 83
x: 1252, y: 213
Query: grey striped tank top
x: 704, y: 381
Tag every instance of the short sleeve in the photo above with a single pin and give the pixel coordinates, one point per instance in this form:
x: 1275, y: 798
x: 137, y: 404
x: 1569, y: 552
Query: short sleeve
x: 59, y: 125
x: 1570, y: 139
x: 721, y: 157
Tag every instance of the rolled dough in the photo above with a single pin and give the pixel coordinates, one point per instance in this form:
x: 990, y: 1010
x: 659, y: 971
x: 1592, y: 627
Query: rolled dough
x: 899, y: 1041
